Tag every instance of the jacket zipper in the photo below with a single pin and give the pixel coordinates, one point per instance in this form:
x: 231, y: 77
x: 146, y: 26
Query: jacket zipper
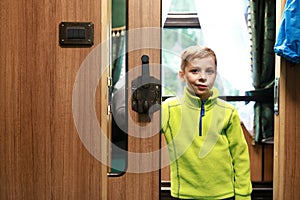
x: 202, y: 113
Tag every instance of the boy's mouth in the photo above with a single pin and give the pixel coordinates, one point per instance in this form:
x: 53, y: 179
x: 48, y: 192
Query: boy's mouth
x: 201, y: 87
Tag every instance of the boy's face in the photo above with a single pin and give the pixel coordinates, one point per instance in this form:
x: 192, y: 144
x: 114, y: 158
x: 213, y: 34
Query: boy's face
x: 200, y: 75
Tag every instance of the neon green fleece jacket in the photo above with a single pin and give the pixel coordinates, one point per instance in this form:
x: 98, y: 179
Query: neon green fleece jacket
x: 207, y: 149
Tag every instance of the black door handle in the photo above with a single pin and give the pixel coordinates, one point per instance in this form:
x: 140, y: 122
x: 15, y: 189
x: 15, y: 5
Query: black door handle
x: 146, y: 91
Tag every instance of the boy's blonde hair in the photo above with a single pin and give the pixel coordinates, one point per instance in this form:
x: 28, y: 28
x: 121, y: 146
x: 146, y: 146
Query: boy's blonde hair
x: 193, y: 52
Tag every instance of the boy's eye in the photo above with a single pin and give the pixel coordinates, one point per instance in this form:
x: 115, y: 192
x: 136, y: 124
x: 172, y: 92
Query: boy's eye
x: 195, y: 70
x: 210, y: 71
x: 207, y: 71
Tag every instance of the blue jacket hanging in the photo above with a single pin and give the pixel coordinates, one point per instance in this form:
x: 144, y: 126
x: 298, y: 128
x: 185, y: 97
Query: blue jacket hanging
x: 287, y: 44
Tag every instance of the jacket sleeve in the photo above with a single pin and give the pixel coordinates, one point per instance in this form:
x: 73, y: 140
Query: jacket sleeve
x: 240, y: 157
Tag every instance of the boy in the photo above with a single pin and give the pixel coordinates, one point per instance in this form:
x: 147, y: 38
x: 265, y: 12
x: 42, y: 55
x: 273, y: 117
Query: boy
x: 207, y: 149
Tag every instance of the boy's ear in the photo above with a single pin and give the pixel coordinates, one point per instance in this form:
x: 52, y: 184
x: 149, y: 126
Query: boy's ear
x: 181, y: 75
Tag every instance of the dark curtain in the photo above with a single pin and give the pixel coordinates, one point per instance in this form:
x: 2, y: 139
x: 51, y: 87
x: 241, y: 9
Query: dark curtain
x: 118, y: 54
x: 263, y: 20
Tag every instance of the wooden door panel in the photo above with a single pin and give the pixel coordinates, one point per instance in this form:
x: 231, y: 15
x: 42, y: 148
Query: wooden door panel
x: 140, y: 182
x: 286, y: 137
x: 41, y: 155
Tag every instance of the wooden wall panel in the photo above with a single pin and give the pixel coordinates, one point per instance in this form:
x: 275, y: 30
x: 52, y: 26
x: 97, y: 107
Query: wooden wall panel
x: 287, y: 162
x: 286, y: 149
x: 10, y: 98
x: 41, y: 155
x: 261, y: 159
x: 256, y: 154
x: 287, y: 127
x: 268, y: 161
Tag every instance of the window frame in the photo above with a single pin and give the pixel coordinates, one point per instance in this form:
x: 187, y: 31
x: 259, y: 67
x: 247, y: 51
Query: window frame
x: 191, y: 20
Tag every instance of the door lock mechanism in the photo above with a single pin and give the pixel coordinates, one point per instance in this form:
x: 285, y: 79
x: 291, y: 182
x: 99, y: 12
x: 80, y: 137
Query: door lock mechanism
x: 146, y: 91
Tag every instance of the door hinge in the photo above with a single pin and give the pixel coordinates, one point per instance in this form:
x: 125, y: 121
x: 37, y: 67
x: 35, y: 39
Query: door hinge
x: 109, y: 94
x: 276, y: 96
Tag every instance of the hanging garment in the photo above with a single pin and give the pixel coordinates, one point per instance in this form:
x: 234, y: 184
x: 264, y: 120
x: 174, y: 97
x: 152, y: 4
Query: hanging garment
x: 288, y: 39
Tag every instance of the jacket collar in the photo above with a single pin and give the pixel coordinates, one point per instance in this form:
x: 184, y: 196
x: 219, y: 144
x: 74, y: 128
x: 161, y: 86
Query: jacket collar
x: 195, y: 102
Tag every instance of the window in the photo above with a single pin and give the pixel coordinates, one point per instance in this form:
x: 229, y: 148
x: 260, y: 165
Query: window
x: 186, y: 24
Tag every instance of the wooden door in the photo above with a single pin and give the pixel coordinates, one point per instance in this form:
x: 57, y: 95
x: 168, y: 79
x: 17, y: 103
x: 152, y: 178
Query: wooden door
x: 41, y: 153
x: 141, y: 180
x: 287, y: 137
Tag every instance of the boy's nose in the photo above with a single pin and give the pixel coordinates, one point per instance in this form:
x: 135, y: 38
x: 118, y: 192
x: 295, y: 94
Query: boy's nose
x: 202, y: 76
